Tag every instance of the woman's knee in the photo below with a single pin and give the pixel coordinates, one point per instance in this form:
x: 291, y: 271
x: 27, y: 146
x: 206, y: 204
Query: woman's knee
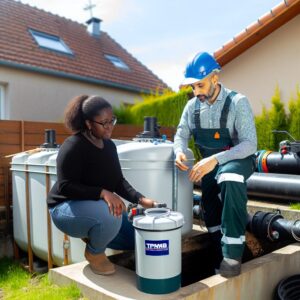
x: 77, y: 218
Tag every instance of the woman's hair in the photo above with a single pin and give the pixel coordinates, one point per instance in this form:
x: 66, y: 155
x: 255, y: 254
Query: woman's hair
x: 82, y: 108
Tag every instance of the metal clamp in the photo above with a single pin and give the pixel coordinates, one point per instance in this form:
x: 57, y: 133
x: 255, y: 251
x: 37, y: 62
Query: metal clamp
x: 297, y: 238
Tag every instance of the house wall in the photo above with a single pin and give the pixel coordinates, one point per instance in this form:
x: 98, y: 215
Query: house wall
x: 39, y: 97
x: 273, y: 61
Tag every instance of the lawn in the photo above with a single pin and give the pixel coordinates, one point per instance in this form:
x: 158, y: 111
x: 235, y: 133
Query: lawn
x: 16, y: 283
x: 295, y: 206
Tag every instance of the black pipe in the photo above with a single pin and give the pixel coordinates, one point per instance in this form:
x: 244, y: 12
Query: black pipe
x: 283, y: 163
x: 273, y: 227
x: 274, y: 186
x: 151, y: 129
x: 50, y: 139
x: 286, y: 161
x: 288, y: 288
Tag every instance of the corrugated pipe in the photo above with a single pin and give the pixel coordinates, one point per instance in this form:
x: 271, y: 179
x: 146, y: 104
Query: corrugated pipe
x: 273, y: 227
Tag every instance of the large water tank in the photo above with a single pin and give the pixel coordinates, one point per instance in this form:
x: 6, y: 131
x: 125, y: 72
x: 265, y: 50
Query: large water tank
x: 18, y: 168
x: 149, y: 168
x: 36, y: 166
x: 76, y: 246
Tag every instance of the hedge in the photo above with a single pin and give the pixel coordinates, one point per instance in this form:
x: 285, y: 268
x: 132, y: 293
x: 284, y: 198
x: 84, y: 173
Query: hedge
x: 168, y: 108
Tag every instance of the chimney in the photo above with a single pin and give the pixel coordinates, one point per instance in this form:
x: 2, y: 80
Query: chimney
x: 94, y: 26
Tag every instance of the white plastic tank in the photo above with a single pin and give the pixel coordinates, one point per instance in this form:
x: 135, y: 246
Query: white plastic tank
x: 18, y: 168
x: 158, y: 250
x: 149, y: 168
x: 76, y: 246
x: 36, y: 164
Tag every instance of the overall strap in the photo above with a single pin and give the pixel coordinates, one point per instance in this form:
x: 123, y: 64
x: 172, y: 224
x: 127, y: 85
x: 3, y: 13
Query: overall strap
x: 225, y: 110
x: 197, y: 114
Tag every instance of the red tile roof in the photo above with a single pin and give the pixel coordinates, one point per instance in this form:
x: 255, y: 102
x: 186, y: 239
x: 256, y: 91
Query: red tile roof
x: 19, y: 49
x: 265, y: 25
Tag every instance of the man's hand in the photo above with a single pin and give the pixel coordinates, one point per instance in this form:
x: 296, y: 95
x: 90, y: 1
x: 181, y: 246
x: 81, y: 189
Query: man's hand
x: 115, y: 204
x: 203, y: 167
x: 180, y: 158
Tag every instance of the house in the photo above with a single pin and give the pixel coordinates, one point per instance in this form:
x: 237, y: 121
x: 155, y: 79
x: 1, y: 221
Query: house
x: 45, y: 60
x: 265, y: 55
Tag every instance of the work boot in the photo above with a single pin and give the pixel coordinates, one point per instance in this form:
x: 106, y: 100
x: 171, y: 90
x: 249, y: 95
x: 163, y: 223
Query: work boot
x: 230, y: 267
x: 99, y: 263
x: 85, y: 240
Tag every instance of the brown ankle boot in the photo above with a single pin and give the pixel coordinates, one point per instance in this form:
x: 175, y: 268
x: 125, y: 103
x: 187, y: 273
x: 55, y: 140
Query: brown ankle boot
x: 85, y: 240
x: 99, y: 263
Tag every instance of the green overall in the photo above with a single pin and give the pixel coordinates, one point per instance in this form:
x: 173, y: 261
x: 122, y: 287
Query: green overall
x: 224, y: 191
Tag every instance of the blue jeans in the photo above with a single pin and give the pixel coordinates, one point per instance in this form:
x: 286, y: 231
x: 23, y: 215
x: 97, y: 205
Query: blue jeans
x: 92, y: 219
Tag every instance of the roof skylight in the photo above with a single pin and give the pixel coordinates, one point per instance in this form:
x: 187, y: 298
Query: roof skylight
x: 116, y: 61
x: 50, y: 42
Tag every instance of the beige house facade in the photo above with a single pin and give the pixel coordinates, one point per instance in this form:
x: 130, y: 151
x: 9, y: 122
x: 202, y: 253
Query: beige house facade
x: 271, y: 59
x: 35, y: 96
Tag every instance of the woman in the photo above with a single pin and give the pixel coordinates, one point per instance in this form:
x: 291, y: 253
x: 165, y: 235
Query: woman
x: 85, y: 201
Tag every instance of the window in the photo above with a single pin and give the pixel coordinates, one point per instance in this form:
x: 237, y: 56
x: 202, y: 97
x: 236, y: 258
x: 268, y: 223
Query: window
x: 117, y: 62
x: 50, y: 42
x: 2, y: 94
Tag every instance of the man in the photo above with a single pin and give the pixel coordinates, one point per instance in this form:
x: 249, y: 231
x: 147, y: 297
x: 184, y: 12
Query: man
x: 221, y: 122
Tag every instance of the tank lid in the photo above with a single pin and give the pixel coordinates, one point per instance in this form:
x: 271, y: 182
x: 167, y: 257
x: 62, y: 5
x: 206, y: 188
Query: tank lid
x: 159, y: 219
x: 41, y: 157
x: 52, y: 160
x: 20, y: 158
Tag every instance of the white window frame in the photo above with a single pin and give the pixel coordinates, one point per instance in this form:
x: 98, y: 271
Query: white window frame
x: 41, y: 39
x: 2, y: 101
x: 117, y: 61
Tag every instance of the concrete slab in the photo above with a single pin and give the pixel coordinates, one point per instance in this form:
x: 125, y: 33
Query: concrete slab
x: 285, y: 210
x: 257, y: 281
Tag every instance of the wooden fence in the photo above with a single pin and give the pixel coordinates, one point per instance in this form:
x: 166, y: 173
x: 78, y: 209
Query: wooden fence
x: 19, y: 136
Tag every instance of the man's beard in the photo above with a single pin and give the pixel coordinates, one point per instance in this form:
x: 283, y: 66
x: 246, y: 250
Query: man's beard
x: 209, y: 95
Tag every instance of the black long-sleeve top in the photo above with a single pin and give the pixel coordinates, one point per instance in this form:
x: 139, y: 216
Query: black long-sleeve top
x: 83, y: 170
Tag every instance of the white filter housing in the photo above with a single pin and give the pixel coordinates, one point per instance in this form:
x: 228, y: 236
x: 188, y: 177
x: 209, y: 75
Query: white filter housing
x: 149, y: 168
x: 158, y: 250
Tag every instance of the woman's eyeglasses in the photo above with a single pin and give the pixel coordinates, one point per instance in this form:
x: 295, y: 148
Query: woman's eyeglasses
x: 106, y: 124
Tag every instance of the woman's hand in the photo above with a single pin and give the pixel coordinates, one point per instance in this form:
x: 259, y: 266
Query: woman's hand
x: 147, y: 203
x: 115, y: 204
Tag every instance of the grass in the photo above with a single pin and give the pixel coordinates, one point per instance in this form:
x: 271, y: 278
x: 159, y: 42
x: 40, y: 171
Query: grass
x: 16, y: 283
x: 295, y: 206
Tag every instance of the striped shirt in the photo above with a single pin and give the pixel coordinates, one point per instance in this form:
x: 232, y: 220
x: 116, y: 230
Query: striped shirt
x: 240, y: 123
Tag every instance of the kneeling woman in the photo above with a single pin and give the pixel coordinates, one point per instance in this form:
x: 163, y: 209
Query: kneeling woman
x: 85, y: 201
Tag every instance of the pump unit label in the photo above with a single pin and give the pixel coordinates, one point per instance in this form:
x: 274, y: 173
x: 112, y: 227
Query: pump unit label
x: 157, y: 248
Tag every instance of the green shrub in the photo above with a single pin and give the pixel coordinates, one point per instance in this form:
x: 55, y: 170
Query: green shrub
x: 294, y: 115
x: 278, y: 120
x: 123, y: 114
x: 167, y: 108
x: 268, y: 121
x: 263, y: 130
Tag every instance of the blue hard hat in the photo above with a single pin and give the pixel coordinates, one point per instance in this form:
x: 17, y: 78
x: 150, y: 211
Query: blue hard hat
x: 199, y: 67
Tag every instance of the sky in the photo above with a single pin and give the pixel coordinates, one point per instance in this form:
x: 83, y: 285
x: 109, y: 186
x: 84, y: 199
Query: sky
x: 165, y: 34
